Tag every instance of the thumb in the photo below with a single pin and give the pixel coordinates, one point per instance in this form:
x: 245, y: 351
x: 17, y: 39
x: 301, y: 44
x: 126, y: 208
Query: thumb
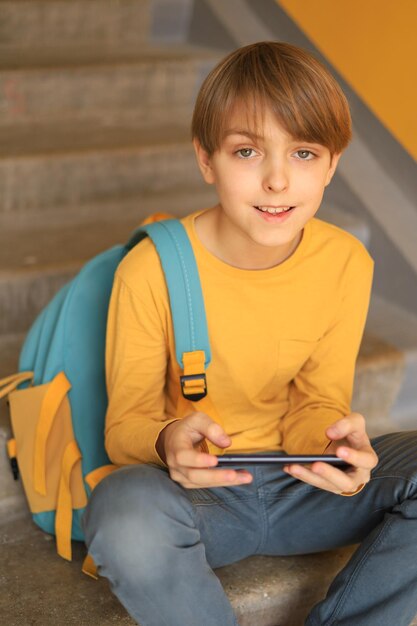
x: 218, y: 436
x: 352, y: 428
x: 204, y: 426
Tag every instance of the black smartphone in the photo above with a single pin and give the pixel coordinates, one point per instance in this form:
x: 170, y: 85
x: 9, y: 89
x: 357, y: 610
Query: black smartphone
x: 283, y: 459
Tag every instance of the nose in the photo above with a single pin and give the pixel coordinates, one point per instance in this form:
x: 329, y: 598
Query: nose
x: 276, y: 177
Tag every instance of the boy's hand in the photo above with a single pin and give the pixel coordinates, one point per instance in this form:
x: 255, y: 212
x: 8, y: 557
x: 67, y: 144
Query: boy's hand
x: 349, y: 442
x: 178, y: 446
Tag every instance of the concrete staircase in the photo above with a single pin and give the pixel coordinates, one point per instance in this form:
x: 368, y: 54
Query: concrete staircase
x: 95, y: 103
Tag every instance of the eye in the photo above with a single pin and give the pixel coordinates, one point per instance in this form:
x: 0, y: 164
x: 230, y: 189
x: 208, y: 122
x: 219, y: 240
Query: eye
x: 245, y: 153
x: 305, y: 155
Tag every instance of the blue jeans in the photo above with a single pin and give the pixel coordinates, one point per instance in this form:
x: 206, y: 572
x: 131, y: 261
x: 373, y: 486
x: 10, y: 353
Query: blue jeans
x: 158, y: 543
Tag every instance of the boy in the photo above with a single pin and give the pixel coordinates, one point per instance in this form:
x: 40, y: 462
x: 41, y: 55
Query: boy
x: 286, y: 297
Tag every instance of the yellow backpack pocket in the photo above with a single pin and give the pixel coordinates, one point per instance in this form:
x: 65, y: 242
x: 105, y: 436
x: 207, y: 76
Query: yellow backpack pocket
x: 48, y: 457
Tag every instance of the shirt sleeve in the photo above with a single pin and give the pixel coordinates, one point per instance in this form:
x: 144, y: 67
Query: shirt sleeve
x: 321, y: 392
x: 136, y: 366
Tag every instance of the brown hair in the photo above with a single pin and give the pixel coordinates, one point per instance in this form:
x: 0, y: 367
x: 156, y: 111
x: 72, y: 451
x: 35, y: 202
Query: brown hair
x: 305, y: 98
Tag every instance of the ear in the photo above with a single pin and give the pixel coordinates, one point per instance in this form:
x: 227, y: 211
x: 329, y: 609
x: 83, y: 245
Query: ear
x: 204, y: 162
x: 333, y: 165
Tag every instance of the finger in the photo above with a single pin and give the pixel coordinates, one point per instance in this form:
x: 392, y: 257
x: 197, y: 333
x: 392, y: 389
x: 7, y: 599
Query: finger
x: 204, y: 478
x: 219, y: 477
x: 193, y: 458
x: 364, y: 458
x: 325, y: 476
x: 345, y: 480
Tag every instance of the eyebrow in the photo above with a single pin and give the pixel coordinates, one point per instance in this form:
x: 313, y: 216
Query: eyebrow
x: 255, y: 137
x: 245, y: 133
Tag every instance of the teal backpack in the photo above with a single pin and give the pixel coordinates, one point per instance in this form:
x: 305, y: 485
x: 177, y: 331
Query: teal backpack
x: 58, y: 399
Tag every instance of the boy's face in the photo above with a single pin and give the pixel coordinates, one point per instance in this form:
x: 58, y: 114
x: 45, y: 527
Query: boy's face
x: 269, y: 185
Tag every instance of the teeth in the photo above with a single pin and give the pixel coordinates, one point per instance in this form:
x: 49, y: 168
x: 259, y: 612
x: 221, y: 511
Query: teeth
x: 273, y: 210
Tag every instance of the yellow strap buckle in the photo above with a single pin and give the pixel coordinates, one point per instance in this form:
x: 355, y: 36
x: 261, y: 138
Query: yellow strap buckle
x: 194, y: 388
x: 193, y: 381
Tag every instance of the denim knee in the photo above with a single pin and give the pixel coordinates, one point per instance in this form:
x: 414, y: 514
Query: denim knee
x: 132, y: 519
x: 397, y: 454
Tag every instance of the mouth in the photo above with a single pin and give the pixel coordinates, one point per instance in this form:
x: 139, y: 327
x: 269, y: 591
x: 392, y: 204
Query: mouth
x: 274, y: 210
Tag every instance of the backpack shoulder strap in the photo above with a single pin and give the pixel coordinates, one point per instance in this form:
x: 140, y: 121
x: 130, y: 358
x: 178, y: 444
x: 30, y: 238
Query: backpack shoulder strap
x: 192, y: 347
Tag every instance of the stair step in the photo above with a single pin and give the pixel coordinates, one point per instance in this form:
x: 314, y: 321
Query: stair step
x: 265, y: 591
x: 82, y: 163
x: 87, y: 229
x: 399, y: 327
x: 61, y: 57
x: 41, y: 589
x: 62, y: 139
x: 50, y: 23
x: 36, y: 260
x: 143, y: 87
x: 379, y: 373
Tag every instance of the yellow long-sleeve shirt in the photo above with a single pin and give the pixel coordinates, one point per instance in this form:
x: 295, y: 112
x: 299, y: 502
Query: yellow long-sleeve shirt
x: 284, y: 342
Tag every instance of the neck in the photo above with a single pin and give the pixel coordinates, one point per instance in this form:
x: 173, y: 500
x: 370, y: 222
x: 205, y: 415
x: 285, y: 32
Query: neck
x: 238, y: 250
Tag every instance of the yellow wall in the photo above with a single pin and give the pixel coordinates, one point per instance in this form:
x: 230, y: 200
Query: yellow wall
x: 372, y: 44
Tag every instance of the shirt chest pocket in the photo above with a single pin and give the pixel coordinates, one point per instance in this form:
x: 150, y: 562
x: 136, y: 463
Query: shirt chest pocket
x: 292, y: 355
